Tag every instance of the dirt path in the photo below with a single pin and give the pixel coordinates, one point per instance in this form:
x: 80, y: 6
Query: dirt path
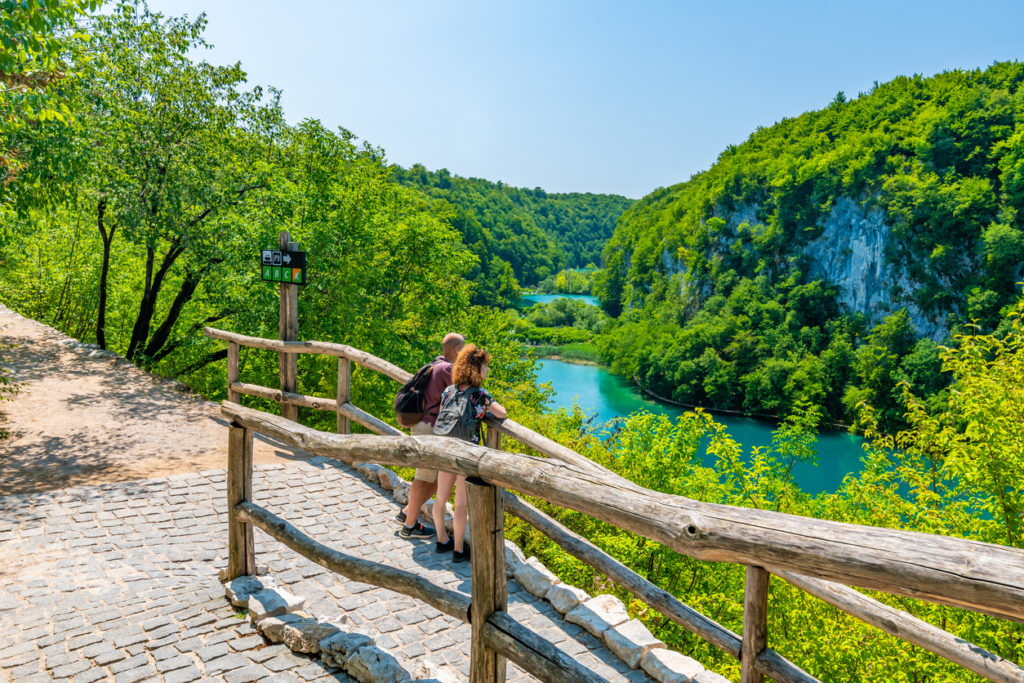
x: 84, y: 416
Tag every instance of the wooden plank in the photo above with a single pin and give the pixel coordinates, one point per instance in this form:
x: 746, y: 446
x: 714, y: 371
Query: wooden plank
x: 534, y: 654
x: 370, y: 422
x: 241, y: 549
x: 452, y: 603
x: 490, y: 585
x: 493, y: 438
x: 280, y: 396
x: 544, y: 445
x: 911, y: 629
x: 658, y: 598
x: 769, y: 662
x: 358, y: 357
x: 523, y: 435
x: 317, y: 403
x: 755, y: 623
x: 288, y: 331
x: 344, y: 394
x: 233, y: 349
x: 984, y: 577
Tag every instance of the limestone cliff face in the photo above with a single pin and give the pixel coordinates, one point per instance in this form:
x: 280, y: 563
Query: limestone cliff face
x: 851, y: 253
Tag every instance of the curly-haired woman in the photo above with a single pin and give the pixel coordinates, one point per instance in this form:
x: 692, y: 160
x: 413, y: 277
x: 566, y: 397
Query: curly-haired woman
x: 468, y: 375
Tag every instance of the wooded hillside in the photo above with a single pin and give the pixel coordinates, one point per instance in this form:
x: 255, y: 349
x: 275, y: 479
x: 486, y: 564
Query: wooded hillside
x: 532, y: 232
x: 826, y: 255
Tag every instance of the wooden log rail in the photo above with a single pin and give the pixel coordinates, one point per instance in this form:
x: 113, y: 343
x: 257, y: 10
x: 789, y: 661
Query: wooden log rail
x: 817, y: 556
x: 510, y: 428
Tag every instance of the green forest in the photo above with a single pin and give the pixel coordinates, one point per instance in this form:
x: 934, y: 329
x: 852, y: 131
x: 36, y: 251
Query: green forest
x: 712, y: 283
x: 138, y: 184
x: 519, y: 236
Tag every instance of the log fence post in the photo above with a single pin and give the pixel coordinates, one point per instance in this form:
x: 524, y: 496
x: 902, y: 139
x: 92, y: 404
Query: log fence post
x: 344, y: 393
x: 493, y: 438
x: 233, y: 350
x: 490, y: 586
x: 288, y: 330
x: 755, y: 623
x: 241, y: 550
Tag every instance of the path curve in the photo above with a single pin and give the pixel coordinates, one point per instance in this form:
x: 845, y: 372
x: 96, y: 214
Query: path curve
x: 86, y: 416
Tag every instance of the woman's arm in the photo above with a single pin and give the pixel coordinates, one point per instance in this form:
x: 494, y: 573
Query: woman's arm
x: 497, y: 410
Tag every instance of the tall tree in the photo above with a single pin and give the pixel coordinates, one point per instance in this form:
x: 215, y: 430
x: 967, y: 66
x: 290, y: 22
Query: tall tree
x: 34, y: 37
x: 173, y: 145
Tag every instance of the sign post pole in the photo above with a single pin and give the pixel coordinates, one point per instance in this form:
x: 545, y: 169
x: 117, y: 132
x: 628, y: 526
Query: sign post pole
x: 288, y: 330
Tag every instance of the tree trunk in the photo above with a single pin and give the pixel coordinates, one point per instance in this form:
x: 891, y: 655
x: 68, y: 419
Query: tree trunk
x: 140, y: 331
x: 108, y: 238
x: 167, y: 349
x: 203, y: 362
x: 184, y: 295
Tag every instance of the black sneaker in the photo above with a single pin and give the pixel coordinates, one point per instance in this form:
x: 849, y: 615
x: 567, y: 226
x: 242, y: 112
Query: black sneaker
x: 445, y: 547
x: 400, y: 517
x: 458, y: 557
x: 416, y: 531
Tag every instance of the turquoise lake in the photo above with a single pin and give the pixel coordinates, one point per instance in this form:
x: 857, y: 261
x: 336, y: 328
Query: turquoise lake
x: 531, y: 299
x: 605, y: 396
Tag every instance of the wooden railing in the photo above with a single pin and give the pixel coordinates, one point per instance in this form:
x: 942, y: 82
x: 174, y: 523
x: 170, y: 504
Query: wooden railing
x: 820, y: 557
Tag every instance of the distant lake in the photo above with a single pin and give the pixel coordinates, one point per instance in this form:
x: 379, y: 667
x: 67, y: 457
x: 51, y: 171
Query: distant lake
x: 606, y: 396
x: 531, y: 299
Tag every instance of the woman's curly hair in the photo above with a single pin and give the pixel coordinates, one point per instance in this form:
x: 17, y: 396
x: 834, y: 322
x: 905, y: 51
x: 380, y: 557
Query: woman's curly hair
x: 467, y: 366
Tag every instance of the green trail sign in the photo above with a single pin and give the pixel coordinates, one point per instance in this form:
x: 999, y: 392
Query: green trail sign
x: 278, y: 265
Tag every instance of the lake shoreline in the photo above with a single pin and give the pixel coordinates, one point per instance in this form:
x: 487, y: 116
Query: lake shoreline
x: 571, y: 361
x: 603, y: 396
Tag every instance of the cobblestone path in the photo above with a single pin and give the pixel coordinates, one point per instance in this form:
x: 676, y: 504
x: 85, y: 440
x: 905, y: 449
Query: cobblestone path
x: 119, y: 582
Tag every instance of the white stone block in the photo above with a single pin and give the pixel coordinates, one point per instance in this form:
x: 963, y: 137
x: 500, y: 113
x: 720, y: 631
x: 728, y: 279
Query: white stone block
x: 401, y: 490
x: 370, y: 664
x: 337, y: 648
x: 513, y: 558
x: 564, y: 597
x: 388, y: 479
x: 535, y: 577
x: 428, y: 672
x: 305, y: 635
x: 272, y: 628
x: 668, y: 666
x: 239, y: 589
x: 709, y: 677
x: 368, y: 470
x: 513, y: 550
x: 272, y: 602
x: 631, y: 641
x: 598, y: 614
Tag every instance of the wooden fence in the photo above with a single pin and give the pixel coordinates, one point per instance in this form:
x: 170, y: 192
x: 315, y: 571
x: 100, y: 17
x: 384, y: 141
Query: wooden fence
x: 820, y: 557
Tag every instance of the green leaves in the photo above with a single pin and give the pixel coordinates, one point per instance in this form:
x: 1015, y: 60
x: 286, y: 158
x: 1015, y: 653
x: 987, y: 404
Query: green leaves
x: 939, y: 157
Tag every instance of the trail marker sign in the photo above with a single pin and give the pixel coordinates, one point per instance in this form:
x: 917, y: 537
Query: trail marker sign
x: 280, y: 265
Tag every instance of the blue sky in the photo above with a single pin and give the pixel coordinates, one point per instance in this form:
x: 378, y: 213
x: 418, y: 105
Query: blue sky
x: 619, y: 97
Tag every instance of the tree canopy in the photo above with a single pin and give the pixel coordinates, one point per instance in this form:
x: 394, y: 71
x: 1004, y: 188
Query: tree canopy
x: 536, y: 233
x: 720, y: 302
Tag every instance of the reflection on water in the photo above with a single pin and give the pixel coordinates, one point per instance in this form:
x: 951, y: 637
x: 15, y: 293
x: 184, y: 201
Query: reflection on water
x: 605, y: 396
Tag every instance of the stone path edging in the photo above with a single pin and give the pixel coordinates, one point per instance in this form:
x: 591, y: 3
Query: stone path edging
x: 604, y: 616
x: 277, y: 615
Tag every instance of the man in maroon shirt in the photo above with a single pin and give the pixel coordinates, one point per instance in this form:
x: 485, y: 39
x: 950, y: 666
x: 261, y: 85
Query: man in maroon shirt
x: 424, y: 484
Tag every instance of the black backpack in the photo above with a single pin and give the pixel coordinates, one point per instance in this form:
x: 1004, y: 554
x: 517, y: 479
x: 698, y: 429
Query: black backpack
x: 457, y: 417
x: 410, y: 403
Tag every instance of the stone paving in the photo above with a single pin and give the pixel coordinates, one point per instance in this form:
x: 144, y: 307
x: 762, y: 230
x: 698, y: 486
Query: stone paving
x: 119, y: 582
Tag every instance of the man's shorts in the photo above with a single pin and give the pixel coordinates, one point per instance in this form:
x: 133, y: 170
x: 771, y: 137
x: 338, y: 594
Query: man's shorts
x: 424, y: 429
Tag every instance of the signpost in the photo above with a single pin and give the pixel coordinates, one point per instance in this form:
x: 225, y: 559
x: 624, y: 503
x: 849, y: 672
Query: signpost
x: 283, y: 265
x: 286, y: 265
